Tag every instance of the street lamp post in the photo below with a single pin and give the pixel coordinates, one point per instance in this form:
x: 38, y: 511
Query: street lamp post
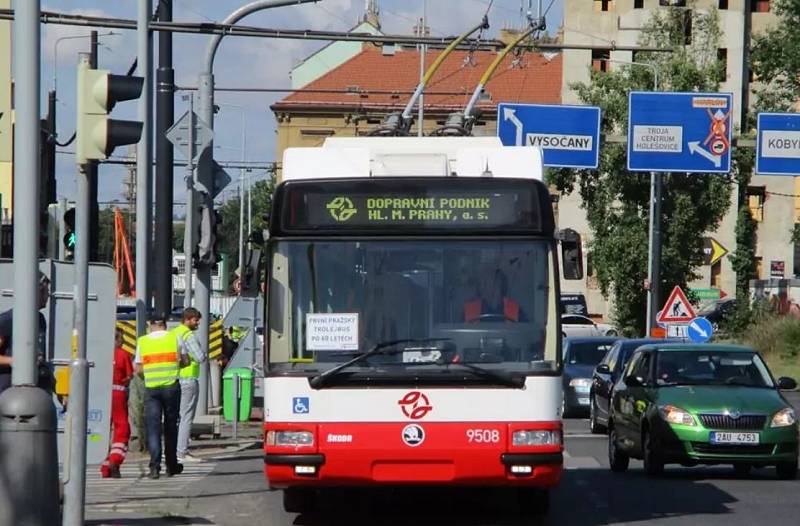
x: 654, y: 235
x: 55, y: 52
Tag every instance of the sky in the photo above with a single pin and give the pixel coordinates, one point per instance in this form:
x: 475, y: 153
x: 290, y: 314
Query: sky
x: 239, y: 61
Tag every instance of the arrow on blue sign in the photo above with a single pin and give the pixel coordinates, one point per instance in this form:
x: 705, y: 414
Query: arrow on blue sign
x: 679, y: 132
x: 569, y: 136
x: 700, y: 330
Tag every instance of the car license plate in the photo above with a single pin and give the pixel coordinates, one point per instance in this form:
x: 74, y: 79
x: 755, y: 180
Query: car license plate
x: 583, y: 401
x: 719, y: 437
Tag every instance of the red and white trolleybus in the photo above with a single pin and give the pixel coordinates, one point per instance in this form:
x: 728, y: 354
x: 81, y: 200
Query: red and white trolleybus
x: 413, y: 329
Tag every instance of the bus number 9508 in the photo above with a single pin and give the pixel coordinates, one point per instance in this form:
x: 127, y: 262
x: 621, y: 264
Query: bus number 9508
x: 483, y: 436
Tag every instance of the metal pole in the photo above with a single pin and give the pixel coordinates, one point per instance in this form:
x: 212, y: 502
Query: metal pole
x: 205, y: 177
x: 188, y: 226
x: 28, y: 480
x: 75, y: 488
x: 236, y: 395
x: 27, y: 139
x: 654, y: 241
x: 75, y: 465
x: 93, y: 232
x: 423, y: 49
x: 143, y: 166
x: 241, y: 208
x: 165, y: 116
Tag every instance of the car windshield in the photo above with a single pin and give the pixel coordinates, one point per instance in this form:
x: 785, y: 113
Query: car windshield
x: 586, y: 353
x: 481, y: 301
x: 735, y: 368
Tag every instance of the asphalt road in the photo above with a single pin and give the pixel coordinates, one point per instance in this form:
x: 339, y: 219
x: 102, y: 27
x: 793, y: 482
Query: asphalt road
x: 232, y: 491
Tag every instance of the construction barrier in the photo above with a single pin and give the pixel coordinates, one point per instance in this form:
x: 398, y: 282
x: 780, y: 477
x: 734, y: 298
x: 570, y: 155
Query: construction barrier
x: 128, y: 329
x: 215, y: 339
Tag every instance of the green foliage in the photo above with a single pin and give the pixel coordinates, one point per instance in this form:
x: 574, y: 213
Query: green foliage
x: 229, y: 212
x: 743, y: 260
x: 776, y: 337
x: 775, y: 59
x: 617, y: 201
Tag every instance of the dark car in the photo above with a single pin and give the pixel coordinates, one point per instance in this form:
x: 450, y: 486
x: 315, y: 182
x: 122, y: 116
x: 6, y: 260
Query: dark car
x: 718, y: 311
x: 695, y: 404
x: 606, y: 375
x: 581, y: 356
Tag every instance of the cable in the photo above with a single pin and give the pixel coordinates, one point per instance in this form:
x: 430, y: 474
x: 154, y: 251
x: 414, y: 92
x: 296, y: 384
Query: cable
x: 74, y: 134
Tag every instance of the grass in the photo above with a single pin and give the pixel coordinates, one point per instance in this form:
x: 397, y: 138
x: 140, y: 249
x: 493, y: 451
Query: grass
x: 777, y: 338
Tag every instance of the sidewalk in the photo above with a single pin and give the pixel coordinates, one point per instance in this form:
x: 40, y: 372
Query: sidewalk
x: 248, y: 435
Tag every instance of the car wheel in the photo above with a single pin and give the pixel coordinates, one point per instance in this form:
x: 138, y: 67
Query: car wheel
x: 533, y: 501
x: 612, y: 332
x: 594, y: 425
x: 786, y: 470
x: 298, y: 500
x: 653, y: 464
x: 742, y: 470
x: 618, y: 460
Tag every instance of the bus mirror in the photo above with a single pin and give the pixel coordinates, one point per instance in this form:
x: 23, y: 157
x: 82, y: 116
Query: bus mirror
x: 571, y: 254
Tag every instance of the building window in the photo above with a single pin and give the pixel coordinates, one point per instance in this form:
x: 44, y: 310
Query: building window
x: 600, y: 59
x: 638, y: 4
x: 759, y: 267
x: 603, y: 5
x: 722, y: 57
x: 716, y: 275
x: 723, y: 4
x: 759, y: 6
x: 756, y: 195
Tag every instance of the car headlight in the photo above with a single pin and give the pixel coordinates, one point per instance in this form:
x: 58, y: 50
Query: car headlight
x: 784, y: 417
x: 676, y: 415
x: 539, y: 437
x: 580, y: 382
x: 290, y: 438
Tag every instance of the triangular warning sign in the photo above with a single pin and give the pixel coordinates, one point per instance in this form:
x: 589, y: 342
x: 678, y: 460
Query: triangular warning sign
x: 677, y: 309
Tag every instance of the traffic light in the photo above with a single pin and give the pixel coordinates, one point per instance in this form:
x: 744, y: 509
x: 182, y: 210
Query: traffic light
x: 70, y: 238
x: 98, y: 92
x: 208, y: 245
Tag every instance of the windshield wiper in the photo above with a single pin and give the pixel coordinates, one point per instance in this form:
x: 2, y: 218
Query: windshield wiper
x: 497, y: 376
x: 322, y: 379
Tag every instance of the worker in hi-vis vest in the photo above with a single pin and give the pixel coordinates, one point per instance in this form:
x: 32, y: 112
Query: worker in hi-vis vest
x: 159, y: 355
x: 188, y: 377
x: 492, y: 301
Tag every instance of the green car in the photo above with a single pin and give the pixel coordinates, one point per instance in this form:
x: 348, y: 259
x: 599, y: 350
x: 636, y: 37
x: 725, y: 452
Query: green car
x: 701, y: 404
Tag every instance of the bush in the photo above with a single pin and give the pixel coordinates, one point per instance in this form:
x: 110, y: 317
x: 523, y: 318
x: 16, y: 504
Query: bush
x: 775, y: 337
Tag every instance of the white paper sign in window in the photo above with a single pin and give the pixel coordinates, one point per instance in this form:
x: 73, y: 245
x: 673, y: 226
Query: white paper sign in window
x: 332, y: 332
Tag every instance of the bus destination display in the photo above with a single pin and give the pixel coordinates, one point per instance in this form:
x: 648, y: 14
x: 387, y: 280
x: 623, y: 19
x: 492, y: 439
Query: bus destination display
x: 440, y: 210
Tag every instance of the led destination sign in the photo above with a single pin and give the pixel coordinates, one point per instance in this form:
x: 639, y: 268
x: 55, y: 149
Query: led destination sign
x: 415, y: 206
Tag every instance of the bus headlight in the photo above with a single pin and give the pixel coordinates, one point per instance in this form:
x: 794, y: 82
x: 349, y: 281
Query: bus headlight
x: 290, y: 438
x: 538, y: 437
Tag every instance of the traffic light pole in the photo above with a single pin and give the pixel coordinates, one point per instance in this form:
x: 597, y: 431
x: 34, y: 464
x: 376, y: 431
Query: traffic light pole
x: 75, y: 484
x: 91, y: 174
x: 28, y: 471
x: 188, y: 225
x: 144, y: 167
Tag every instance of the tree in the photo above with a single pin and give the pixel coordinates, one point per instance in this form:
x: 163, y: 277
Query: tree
x: 775, y: 59
x: 229, y: 212
x: 617, y: 201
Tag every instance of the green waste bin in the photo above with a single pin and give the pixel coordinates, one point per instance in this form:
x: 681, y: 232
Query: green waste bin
x: 245, y: 393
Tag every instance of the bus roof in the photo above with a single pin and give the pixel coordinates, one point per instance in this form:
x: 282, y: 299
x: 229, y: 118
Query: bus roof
x: 355, y: 157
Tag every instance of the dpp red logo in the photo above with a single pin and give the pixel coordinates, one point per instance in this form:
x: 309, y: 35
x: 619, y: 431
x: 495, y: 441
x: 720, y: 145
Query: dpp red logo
x: 415, y: 405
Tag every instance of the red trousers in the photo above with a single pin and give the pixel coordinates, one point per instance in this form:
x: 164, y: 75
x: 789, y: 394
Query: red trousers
x: 121, y: 430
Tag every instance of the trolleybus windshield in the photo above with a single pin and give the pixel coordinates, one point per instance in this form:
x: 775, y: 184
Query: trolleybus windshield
x: 450, y: 300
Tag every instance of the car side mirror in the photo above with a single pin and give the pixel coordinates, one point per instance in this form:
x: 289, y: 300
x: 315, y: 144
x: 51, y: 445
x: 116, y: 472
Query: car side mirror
x: 786, y: 384
x: 603, y: 369
x: 634, y: 381
x: 571, y: 254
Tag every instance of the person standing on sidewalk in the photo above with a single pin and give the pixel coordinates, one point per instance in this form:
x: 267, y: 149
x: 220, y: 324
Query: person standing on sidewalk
x: 123, y: 372
x: 159, y: 355
x: 188, y: 378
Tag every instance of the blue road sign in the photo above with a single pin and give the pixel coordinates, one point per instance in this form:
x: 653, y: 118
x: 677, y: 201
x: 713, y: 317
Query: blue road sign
x: 700, y: 330
x: 568, y: 135
x: 679, y: 132
x: 778, y: 144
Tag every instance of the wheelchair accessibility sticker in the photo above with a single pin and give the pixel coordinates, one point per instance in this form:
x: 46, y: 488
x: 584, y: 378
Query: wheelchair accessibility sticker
x: 300, y: 405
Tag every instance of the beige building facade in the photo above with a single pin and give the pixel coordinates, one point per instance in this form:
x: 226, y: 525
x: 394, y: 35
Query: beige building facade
x: 772, y: 199
x: 6, y: 118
